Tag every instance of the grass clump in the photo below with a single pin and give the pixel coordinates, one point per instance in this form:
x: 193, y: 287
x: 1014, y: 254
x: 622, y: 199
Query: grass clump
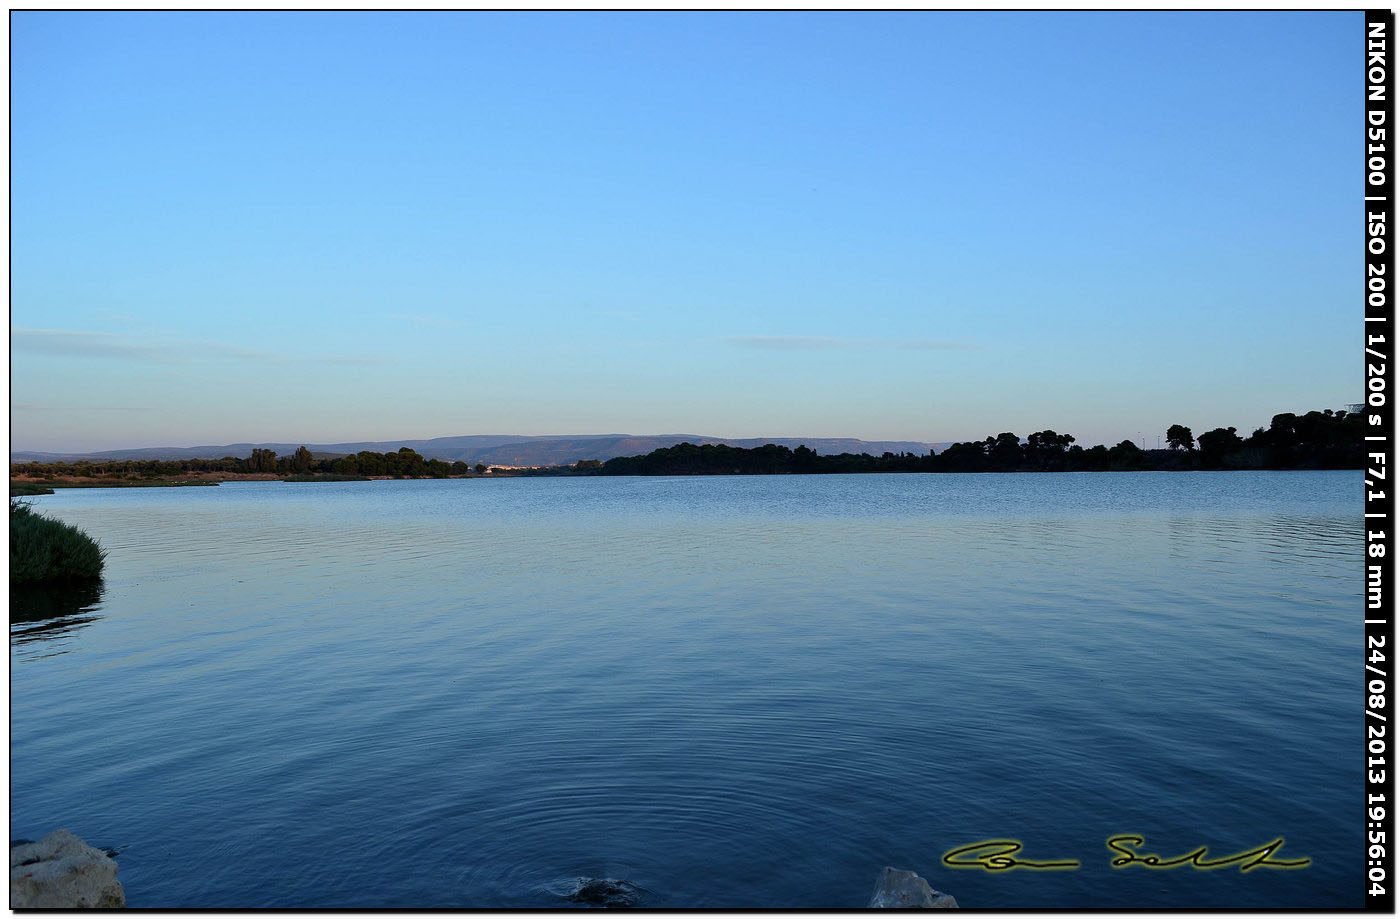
x: 28, y: 488
x: 43, y: 549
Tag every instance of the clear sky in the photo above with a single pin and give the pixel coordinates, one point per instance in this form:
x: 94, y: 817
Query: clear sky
x: 933, y: 226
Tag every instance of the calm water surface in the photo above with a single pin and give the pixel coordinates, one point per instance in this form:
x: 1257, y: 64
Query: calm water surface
x: 749, y: 691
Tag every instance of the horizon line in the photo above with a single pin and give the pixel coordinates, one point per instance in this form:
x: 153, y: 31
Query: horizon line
x: 391, y: 440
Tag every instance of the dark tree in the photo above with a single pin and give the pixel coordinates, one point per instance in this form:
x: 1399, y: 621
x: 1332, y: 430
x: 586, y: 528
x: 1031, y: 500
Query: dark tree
x: 1179, y: 437
x: 1004, y: 451
x: 1045, y: 451
x: 1127, y: 455
x: 262, y: 461
x: 1218, y: 444
x: 1096, y: 458
x: 962, y: 457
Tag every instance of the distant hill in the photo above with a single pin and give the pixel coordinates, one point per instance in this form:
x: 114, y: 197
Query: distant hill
x: 501, y: 449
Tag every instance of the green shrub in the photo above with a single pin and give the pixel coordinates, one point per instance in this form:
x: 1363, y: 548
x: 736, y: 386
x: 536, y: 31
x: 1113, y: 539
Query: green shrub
x: 44, y: 549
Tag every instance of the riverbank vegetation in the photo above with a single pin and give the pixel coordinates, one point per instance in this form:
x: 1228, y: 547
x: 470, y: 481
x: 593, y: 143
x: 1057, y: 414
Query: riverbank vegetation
x: 301, y: 466
x: 43, y: 549
x: 1316, y: 440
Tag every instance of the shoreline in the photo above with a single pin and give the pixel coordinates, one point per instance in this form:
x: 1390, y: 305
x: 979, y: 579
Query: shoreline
x: 30, y: 487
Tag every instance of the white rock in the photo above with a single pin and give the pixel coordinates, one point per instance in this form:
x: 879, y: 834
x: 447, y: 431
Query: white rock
x: 896, y: 889
x: 61, y: 871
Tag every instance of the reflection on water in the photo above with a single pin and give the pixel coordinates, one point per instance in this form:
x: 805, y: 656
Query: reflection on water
x: 729, y: 691
x: 51, y: 613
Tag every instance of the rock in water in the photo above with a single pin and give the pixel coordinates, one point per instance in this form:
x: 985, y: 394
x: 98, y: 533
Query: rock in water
x: 895, y: 889
x: 608, y: 892
x: 61, y: 871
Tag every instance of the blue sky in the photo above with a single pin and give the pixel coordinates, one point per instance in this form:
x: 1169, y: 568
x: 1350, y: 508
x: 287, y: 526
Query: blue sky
x: 936, y: 226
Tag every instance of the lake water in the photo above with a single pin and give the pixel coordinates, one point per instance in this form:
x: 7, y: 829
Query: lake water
x: 740, y: 691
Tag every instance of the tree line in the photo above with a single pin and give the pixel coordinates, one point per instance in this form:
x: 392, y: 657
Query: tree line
x: 403, y: 463
x: 1315, y: 440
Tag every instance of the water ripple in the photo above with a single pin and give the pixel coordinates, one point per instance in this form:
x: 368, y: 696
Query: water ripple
x: 732, y: 692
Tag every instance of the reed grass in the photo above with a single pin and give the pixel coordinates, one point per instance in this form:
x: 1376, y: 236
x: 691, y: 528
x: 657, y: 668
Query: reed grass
x: 43, y: 549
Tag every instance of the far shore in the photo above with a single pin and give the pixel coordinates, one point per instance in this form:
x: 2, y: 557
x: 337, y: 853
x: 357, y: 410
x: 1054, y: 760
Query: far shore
x: 1315, y: 440
x: 212, y: 478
